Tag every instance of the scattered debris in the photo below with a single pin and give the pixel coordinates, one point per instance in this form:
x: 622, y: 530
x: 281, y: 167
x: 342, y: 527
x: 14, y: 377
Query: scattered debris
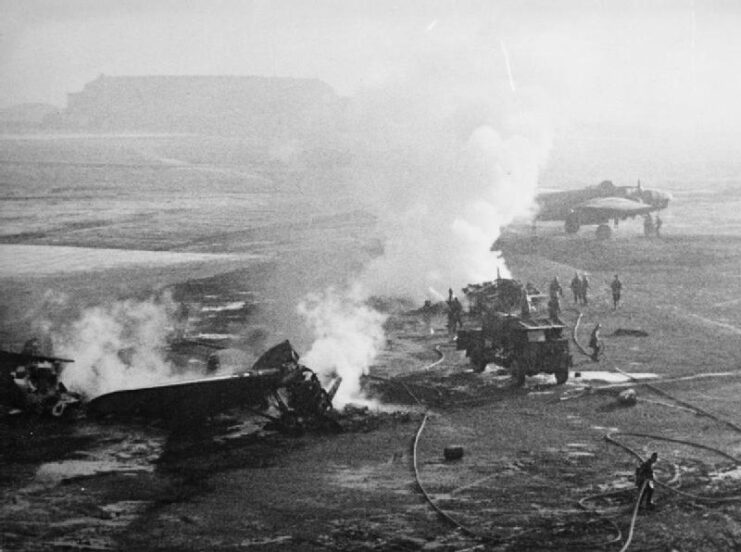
x: 453, y: 452
x: 363, y: 419
x: 628, y: 397
x: 29, y: 382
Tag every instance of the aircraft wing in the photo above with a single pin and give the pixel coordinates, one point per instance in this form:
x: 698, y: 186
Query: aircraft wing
x: 613, y: 207
x: 194, y: 398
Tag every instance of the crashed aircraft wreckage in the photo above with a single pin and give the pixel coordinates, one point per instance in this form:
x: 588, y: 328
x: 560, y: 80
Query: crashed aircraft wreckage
x: 30, y: 382
x: 277, y: 387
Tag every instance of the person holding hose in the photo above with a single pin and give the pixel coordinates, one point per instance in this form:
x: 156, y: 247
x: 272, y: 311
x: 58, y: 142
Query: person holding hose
x: 645, y: 481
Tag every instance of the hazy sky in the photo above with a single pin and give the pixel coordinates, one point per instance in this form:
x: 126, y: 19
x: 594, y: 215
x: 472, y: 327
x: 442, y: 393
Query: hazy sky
x: 615, y: 61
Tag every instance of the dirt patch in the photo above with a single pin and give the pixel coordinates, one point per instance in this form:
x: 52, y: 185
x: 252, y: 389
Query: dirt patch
x: 623, y: 332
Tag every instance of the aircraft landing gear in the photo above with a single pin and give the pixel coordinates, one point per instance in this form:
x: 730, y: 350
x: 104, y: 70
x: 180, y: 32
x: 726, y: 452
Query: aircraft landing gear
x: 571, y: 224
x: 603, y: 232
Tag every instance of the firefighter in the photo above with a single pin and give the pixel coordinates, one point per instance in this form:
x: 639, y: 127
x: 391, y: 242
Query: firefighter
x: 213, y: 363
x: 554, y: 308
x: 616, y: 286
x: 595, y: 343
x: 455, y: 314
x: 648, y: 225
x: 576, y: 287
x: 555, y: 288
x: 525, y: 308
x: 427, y: 315
x: 645, y: 480
x: 583, y: 288
x: 32, y: 347
x: 458, y: 312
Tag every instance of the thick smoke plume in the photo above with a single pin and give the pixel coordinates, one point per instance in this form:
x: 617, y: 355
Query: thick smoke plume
x: 348, y: 335
x: 447, y: 154
x: 117, y: 346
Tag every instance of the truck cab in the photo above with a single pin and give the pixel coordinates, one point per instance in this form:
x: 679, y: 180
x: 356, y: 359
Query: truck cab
x: 523, y: 341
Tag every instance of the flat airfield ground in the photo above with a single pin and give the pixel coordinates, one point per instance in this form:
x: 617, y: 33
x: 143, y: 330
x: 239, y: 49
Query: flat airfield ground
x: 530, y: 455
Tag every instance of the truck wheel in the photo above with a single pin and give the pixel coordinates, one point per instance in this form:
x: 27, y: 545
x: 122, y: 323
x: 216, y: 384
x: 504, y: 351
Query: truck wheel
x: 477, y: 360
x: 571, y: 224
x: 518, y: 373
x: 603, y: 232
x: 562, y: 375
x: 479, y: 365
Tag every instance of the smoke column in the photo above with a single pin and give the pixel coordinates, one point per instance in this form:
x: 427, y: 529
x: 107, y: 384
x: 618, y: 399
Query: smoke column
x: 117, y: 346
x: 447, y: 154
x: 460, y: 161
x: 348, y: 335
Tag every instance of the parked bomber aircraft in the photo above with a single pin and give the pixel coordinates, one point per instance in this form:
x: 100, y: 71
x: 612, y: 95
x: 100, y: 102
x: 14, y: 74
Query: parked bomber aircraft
x: 599, y: 205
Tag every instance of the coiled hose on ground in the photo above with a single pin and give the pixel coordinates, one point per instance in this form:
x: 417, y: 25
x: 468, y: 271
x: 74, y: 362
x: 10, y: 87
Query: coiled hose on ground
x: 490, y: 538
x: 610, y: 437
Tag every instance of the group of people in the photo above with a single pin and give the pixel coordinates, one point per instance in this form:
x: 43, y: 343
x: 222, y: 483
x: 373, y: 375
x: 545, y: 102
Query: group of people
x: 580, y: 289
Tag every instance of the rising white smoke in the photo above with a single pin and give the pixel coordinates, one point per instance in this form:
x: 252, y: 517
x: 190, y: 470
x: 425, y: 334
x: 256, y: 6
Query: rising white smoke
x: 348, y: 334
x: 117, y: 346
x: 443, y: 205
x: 447, y: 153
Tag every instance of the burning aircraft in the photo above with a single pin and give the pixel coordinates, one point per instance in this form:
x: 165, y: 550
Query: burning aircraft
x: 30, y: 382
x: 277, y: 387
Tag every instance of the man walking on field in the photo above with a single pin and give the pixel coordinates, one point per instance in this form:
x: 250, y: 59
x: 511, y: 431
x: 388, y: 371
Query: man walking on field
x: 576, y: 288
x: 616, y: 287
x: 583, y: 288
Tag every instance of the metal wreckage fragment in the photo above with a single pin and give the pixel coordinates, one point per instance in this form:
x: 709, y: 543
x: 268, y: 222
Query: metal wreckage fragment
x: 29, y: 382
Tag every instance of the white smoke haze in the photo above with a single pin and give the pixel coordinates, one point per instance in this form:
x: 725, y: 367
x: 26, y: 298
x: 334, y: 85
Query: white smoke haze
x: 117, y: 346
x: 449, y: 155
x: 347, y: 337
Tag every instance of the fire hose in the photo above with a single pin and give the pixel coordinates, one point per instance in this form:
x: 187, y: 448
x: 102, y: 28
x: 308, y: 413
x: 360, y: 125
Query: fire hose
x: 610, y: 437
x: 658, y: 390
x: 440, y: 512
x: 494, y: 539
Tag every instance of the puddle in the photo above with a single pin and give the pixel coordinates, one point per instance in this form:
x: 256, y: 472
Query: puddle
x: 53, y: 473
x: 233, y: 306
x: 216, y: 336
x: 266, y: 541
x: 126, y: 508
x: 608, y: 429
x: 612, y: 377
x: 579, y: 454
x: 728, y: 475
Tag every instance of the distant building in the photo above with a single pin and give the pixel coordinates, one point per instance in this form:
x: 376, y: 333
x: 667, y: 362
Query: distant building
x: 253, y: 107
